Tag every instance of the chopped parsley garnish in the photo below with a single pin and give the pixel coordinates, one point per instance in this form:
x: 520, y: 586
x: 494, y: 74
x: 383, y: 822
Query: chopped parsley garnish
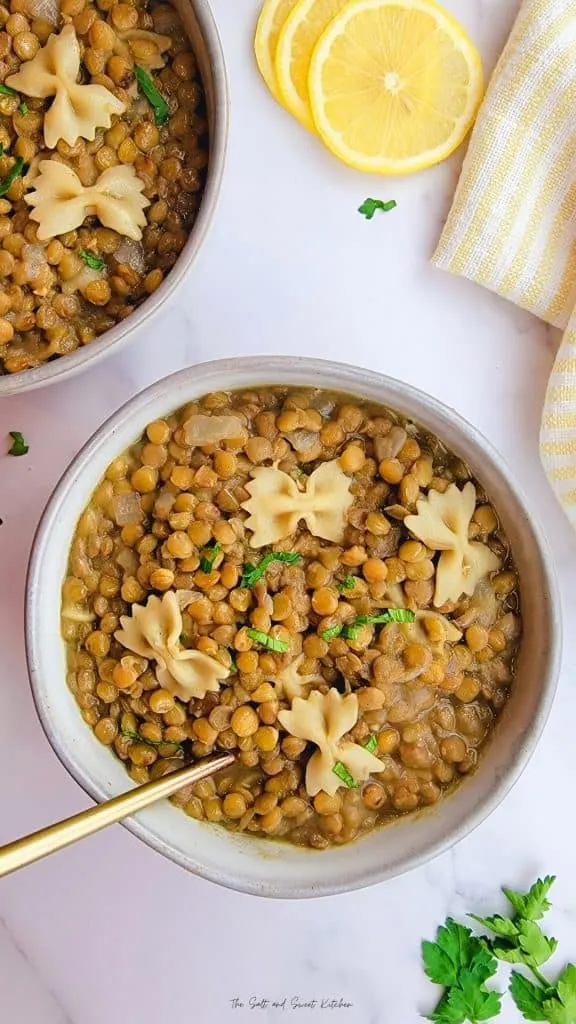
x: 5, y: 90
x: 253, y: 573
x: 347, y: 584
x: 350, y: 632
x: 344, y: 775
x: 209, y: 557
x: 138, y: 738
x: 13, y: 173
x: 91, y: 259
x: 154, y: 97
x: 334, y: 631
x: 233, y: 665
x: 390, y: 615
x: 371, y: 744
x: 271, y: 642
x: 23, y: 108
x: 19, y: 446
x: 1, y: 149
x: 369, y: 207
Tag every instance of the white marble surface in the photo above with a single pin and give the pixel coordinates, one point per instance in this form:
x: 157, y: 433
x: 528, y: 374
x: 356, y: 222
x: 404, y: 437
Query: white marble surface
x: 110, y: 933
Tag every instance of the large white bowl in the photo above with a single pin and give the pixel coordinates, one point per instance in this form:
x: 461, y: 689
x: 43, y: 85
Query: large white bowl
x: 243, y: 862
x: 199, y: 23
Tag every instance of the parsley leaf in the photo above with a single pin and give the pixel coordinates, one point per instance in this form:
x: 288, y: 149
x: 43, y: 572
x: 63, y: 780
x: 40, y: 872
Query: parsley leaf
x: 271, y: 642
x: 537, y: 946
x: 329, y: 634
x: 390, y: 615
x: 253, y: 573
x: 5, y: 90
x: 502, y: 926
x: 91, y: 259
x: 369, y: 207
x: 461, y: 963
x: 527, y: 996
x: 19, y: 446
x: 209, y: 556
x: 344, y: 775
x: 14, y: 172
x: 371, y: 744
x: 152, y: 94
x: 23, y: 108
x: 534, y: 904
x: 347, y: 584
x: 562, y: 1010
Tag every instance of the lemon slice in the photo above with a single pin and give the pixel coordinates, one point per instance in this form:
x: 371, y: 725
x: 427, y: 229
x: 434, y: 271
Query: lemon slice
x: 298, y: 37
x: 394, y: 85
x: 272, y: 17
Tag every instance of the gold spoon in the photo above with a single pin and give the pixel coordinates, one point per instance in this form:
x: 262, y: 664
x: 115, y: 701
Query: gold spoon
x: 55, y: 837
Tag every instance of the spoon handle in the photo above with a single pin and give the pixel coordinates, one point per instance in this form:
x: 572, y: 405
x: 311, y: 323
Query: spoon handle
x: 55, y: 837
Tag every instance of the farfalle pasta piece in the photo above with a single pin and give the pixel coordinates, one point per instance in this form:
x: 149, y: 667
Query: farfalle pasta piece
x: 153, y: 631
x: 442, y: 524
x: 276, y: 504
x: 289, y: 683
x: 324, y: 719
x: 78, y: 110
x: 61, y: 203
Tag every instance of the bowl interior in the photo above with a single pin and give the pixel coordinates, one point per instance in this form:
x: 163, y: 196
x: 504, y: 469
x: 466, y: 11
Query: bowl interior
x: 262, y: 866
x: 199, y: 23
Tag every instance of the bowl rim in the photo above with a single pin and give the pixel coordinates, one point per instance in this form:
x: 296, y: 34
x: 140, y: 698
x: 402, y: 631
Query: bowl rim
x: 89, y: 355
x: 167, y: 387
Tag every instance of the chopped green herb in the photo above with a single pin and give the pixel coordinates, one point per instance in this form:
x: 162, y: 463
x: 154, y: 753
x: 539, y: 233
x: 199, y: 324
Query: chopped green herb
x: 344, y: 775
x: 15, y: 171
x: 351, y: 632
x: 348, y: 584
x: 369, y: 207
x: 329, y: 634
x: 253, y: 573
x: 390, y: 615
x: 23, y: 108
x: 1, y: 149
x: 91, y: 259
x: 371, y: 744
x: 138, y: 738
x: 19, y: 446
x: 209, y: 557
x: 233, y: 665
x: 5, y: 90
x: 271, y: 642
x: 154, y: 97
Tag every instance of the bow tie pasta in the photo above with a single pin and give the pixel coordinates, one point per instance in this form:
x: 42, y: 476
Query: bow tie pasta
x: 324, y: 719
x: 153, y: 631
x: 276, y: 505
x: 61, y: 203
x: 77, y: 110
x: 442, y: 524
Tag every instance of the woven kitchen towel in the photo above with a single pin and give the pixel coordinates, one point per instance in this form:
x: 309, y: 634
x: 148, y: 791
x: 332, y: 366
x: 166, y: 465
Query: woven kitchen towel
x: 512, y: 226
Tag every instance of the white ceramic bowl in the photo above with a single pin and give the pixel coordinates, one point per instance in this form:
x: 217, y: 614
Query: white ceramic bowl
x: 246, y: 863
x: 199, y: 22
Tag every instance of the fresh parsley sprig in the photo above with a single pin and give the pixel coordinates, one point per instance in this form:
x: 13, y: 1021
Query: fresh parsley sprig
x: 91, y: 259
x: 518, y: 939
x: 463, y: 964
x: 252, y: 573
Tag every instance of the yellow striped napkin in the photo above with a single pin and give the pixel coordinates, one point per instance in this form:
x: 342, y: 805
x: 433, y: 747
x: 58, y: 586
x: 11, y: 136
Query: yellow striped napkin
x: 512, y: 226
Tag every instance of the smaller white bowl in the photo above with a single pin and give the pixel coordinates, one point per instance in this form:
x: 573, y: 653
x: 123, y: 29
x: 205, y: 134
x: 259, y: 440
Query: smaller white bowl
x: 246, y: 863
x: 199, y: 23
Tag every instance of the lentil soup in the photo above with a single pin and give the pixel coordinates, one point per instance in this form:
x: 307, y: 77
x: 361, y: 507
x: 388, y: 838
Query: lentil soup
x: 103, y: 154
x: 310, y: 581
